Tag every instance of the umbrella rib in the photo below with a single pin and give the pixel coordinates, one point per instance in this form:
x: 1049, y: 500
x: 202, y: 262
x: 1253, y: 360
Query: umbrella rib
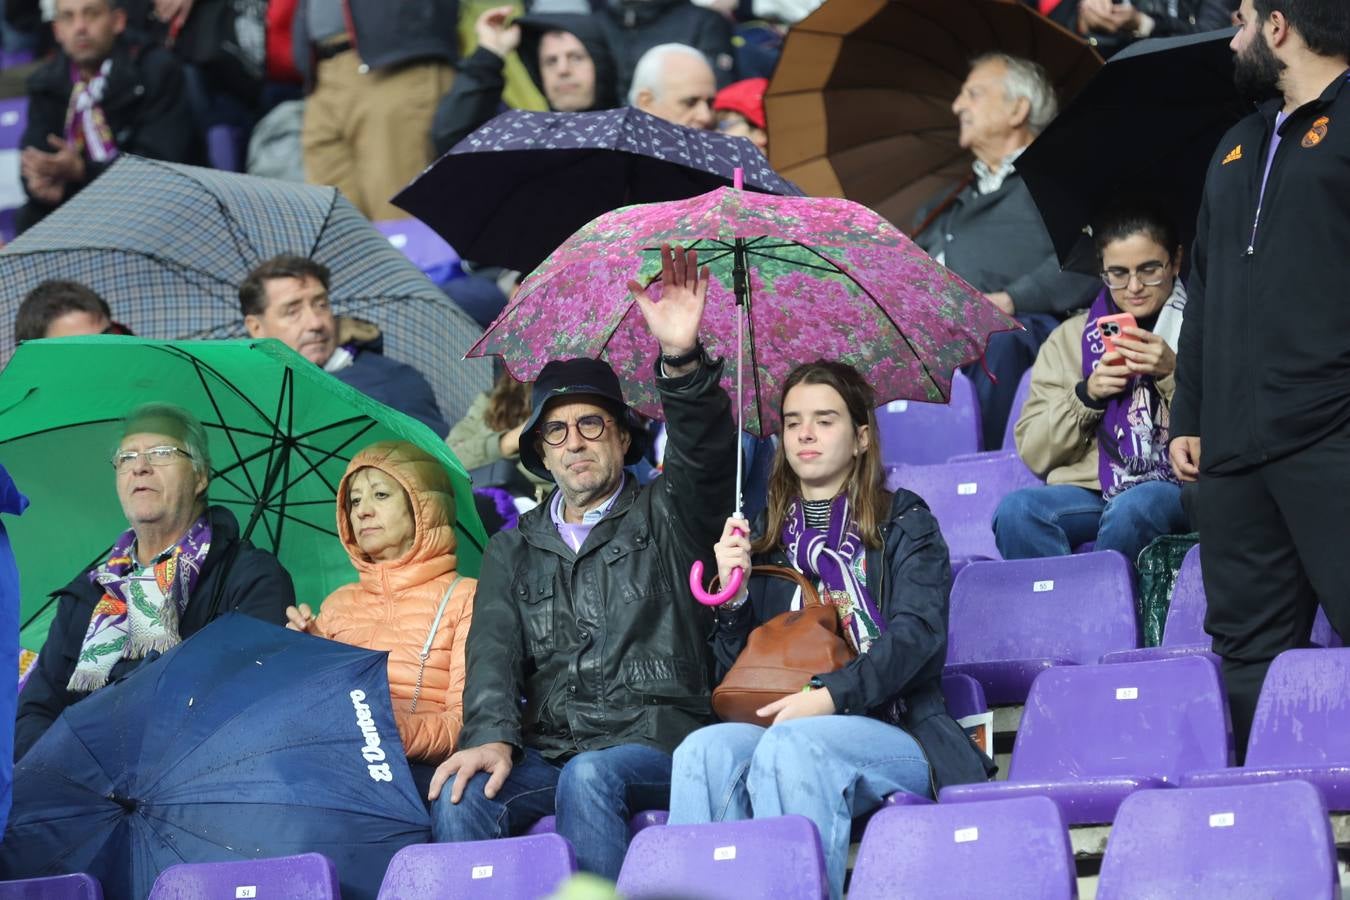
x: 327, y: 220
x: 898, y: 330
x: 798, y: 263
x: 328, y: 454
x: 211, y: 397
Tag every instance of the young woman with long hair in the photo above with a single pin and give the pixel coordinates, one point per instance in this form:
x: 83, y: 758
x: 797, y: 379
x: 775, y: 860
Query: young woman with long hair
x: 878, y: 725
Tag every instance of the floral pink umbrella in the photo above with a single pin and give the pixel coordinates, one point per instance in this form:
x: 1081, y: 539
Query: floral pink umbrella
x: 803, y: 278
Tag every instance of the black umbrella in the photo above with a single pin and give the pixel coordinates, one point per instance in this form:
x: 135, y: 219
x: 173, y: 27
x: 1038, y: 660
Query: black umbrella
x: 519, y: 186
x: 1148, y: 124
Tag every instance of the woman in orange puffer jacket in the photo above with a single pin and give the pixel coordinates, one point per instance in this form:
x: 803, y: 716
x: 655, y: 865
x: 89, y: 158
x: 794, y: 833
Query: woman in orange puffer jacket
x: 396, y: 516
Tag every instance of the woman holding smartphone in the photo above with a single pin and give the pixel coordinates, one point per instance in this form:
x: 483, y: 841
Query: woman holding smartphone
x: 1095, y: 425
x: 837, y: 747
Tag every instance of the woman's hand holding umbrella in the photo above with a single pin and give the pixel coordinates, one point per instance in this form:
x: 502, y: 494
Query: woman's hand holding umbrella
x: 732, y: 553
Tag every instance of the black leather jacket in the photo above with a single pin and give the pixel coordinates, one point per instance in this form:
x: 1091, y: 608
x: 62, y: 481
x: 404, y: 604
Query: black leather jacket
x: 583, y: 651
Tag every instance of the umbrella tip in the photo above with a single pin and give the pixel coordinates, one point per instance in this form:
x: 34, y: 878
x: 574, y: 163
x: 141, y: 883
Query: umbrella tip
x: 738, y: 178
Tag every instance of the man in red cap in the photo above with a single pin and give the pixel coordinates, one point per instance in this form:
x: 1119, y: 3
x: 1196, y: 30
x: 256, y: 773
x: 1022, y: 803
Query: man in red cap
x: 740, y: 111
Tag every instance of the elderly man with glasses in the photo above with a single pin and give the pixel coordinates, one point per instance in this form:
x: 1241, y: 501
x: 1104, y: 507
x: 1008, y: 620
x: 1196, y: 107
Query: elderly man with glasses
x: 179, y: 565
x: 588, y: 659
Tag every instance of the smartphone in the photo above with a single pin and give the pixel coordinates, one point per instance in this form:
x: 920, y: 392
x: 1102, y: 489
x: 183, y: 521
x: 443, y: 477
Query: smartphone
x: 1112, y: 327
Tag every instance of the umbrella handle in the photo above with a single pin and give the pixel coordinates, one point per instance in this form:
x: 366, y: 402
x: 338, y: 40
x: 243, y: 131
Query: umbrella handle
x: 732, y: 588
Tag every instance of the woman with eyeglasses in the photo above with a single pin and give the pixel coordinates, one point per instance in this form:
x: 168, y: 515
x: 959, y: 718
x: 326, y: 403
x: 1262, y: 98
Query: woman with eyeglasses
x: 1095, y: 425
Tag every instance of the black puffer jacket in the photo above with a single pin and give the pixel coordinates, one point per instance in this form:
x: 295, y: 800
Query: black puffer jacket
x: 236, y: 577
x: 606, y: 646
x: 910, y: 578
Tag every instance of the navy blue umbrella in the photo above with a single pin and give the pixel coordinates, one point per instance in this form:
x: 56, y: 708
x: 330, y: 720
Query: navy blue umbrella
x: 512, y: 191
x: 245, y: 741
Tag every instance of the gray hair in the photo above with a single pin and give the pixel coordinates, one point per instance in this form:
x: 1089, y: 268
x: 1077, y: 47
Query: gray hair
x: 651, y: 66
x: 1026, y: 80
x: 180, y: 423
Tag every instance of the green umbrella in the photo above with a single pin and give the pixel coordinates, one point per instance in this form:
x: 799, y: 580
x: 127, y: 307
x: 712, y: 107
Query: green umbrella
x: 281, y: 432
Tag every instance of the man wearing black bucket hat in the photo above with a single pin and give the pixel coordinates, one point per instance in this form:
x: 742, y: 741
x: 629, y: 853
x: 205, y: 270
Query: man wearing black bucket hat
x: 587, y: 661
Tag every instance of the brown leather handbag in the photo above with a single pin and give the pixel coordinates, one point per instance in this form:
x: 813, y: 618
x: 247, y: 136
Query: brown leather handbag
x: 782, y: 655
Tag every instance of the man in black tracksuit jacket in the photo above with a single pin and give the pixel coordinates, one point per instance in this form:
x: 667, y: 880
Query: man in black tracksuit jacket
x: 1263, y: 373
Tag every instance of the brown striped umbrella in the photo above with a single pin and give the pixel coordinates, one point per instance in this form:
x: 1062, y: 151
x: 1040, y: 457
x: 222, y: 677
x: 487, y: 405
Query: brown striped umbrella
x: 860, y: 104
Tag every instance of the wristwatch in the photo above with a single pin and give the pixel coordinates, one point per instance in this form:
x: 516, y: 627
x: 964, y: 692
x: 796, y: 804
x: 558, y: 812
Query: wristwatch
x: 684, y: 359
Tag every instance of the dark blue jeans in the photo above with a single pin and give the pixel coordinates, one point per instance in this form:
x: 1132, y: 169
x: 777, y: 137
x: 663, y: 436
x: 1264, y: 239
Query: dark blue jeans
x: 1053, y: 519
x: 593, y: 795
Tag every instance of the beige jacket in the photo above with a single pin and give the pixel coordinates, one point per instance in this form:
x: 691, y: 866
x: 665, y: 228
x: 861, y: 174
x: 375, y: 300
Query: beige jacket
x: 1057, y: 433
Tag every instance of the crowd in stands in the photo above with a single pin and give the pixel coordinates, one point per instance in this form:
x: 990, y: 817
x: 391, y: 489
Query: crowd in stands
x: 575, y: 676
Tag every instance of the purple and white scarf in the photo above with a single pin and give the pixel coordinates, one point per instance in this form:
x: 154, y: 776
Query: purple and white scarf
x: 87, y: 131
x: 141, y: 605
x: 836, y: 559
x: 1132, y: 436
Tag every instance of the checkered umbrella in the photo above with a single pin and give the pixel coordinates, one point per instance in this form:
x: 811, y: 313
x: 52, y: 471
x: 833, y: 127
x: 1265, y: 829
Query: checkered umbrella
x: 167, y: 246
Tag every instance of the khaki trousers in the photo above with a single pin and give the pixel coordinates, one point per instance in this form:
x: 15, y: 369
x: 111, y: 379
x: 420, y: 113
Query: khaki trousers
x: 368, y: 132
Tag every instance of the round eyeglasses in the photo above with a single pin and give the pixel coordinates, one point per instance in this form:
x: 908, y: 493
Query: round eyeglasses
x: 554, y: 432
x: 157, y: 456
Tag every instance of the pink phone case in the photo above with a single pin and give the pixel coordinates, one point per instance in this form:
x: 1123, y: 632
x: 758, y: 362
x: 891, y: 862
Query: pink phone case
x: 1111, y: 328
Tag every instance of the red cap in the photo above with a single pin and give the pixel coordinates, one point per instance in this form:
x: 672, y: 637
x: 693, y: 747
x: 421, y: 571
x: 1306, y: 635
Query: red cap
x: 745, y: 97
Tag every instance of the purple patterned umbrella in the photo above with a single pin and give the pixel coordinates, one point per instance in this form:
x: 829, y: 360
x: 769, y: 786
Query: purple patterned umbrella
x: 513, y: 190
x: 824, y: 278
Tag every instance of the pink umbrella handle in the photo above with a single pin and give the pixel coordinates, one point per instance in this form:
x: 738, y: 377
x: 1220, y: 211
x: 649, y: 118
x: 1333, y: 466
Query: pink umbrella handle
x: 733, y: 586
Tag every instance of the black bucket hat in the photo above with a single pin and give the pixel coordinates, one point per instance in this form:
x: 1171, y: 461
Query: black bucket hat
x: 577, y: 379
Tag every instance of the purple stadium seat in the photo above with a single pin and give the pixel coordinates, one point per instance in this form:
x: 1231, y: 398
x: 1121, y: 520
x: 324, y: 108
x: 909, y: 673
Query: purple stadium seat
x: 1092, y: 735
x: 1012, y: 619
x: 519, y: 868
x: 1018, y: 848
x: 780, y: 857
x: 1009, y: 445
x: 964, y: 695
x: 1184, y: 630
x: 310, y: 876
x: 925, y: 433
x: 963, y: 496
x: 13, y: 120
x: 224, y: 148
x: 1301, y: 728
x: 1219, y: 842
x: 56, y: 887
x: 427, y: 249
x: 644, y: 819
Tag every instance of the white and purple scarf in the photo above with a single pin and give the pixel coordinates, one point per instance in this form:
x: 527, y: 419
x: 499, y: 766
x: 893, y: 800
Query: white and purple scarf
x: 87, y: 131
x: 836, y: 559
x: 1132, y: 436
x: 141, y: 605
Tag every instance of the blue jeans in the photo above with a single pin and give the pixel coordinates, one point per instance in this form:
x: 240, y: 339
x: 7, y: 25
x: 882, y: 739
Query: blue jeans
x: 827, y: 768
x: 593, y: 795
x: 1052, y: 520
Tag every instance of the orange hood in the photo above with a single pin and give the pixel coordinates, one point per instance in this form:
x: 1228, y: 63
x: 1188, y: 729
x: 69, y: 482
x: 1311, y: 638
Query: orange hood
x: 433, y: 506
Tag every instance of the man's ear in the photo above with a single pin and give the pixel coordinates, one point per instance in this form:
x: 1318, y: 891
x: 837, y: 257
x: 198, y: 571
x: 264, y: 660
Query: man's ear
x: 254, y: 326
x: 1279, y: 29
x: 645, y: 96
x: 1021, y: 112
x: 119, y: 19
